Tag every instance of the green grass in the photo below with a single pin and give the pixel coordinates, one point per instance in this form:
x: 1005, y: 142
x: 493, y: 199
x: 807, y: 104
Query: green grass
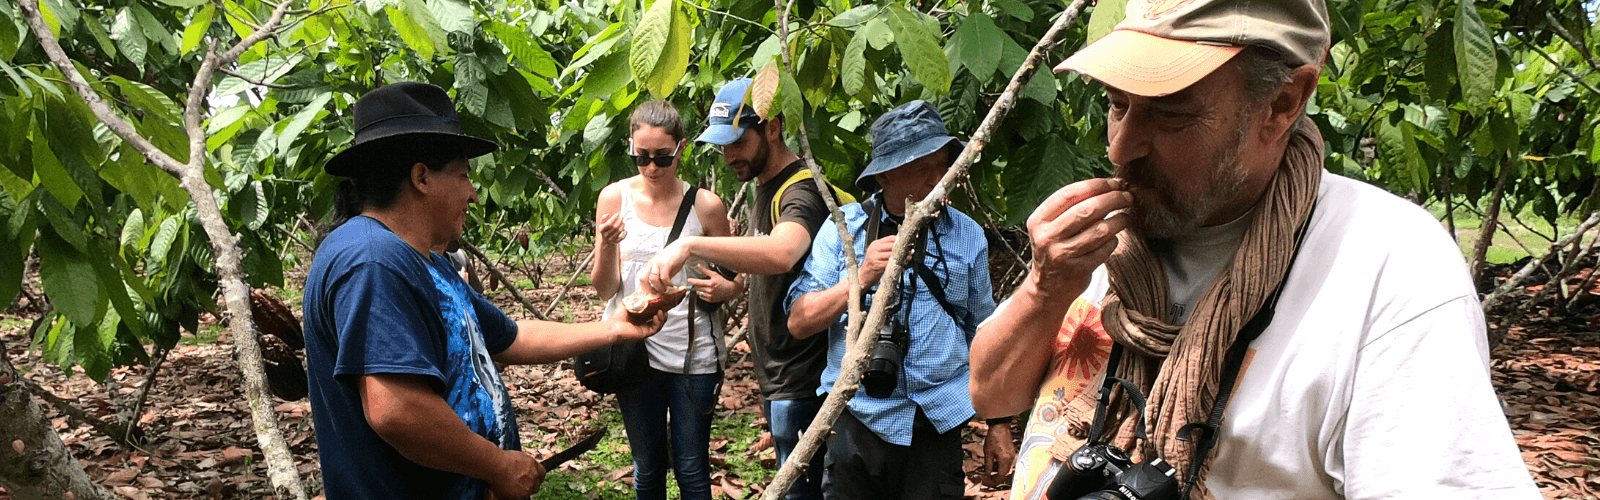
x: 1505, y: 249
x: 207, y: 335
x: 613, y: 453
x: 10, y: 322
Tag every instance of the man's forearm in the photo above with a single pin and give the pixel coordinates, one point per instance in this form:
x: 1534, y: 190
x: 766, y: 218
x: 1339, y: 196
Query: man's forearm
x: 540, y: 342
x: 418, y: 423
x: 1012, y: 352
x: 814, y: 312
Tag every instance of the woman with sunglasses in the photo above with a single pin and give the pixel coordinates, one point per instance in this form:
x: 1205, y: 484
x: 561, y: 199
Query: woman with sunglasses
x: 632, y: 223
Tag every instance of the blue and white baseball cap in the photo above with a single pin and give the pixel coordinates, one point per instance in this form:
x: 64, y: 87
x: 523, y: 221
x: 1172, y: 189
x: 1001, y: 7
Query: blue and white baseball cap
x: 729, y: 107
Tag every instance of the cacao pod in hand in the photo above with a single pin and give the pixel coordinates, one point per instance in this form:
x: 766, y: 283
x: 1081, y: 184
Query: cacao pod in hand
x: 644, y: 304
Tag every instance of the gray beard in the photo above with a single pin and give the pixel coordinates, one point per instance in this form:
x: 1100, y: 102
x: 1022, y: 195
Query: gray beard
x: 1165, y: 222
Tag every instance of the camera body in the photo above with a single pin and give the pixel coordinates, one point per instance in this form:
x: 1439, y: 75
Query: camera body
x: 1104, y: 472
x: 888, y: 354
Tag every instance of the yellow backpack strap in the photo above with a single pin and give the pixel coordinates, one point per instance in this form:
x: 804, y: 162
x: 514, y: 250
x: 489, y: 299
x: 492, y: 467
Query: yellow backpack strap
x: 805, y: 175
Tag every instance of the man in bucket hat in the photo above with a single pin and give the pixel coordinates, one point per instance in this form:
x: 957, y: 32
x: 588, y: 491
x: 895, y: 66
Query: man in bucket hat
x: 1293, y: 333
x: 901, y: 437
x: 400, y: 351
x: 789, y: 212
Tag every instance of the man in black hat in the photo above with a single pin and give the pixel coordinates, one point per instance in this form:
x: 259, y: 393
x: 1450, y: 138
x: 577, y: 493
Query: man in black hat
x: 400, y: 351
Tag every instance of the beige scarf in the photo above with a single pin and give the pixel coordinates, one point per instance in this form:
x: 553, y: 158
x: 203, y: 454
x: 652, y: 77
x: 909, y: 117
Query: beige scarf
x: 1179, y: 366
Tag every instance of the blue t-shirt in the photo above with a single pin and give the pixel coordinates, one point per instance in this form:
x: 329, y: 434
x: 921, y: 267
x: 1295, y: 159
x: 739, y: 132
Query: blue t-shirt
x: 373, y: 304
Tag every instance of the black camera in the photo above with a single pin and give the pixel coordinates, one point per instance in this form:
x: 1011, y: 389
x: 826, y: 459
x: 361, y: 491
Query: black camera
x: 883, y: 363
x: 1103, y: 472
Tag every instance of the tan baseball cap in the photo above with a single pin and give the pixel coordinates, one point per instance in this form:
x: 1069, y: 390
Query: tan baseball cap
x: 1164, y: 46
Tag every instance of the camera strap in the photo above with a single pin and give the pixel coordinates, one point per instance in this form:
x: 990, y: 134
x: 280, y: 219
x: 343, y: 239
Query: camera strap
x: 1135, y: 396
x: 919, y: 254
x: 1210, y: 430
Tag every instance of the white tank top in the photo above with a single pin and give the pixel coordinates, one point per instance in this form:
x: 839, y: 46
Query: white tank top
x: 666, y: 349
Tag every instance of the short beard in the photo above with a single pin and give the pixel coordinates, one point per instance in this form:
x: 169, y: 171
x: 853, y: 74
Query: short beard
x: 1159, y: 220
x: 758, y: 161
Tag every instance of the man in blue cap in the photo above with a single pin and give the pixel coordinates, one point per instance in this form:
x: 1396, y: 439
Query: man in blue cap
x: 400, y: 352
x: 788, y: 214
x: 902, y: 435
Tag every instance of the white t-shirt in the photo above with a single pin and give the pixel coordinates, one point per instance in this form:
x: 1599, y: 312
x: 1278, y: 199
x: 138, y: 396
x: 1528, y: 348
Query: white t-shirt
x: 1371, y: 382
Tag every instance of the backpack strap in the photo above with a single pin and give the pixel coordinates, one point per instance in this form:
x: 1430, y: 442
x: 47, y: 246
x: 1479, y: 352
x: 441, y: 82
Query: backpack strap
x: 683, y: 213
x: 839, y: 196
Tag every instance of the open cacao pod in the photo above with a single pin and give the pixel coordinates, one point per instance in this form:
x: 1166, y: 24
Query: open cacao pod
x: 644, y: 304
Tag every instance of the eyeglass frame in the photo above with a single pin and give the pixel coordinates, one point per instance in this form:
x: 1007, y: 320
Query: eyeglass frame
x: 642, y: 160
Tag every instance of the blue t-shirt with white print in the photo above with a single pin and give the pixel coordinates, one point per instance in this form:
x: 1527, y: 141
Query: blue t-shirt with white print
x: 373, y: 304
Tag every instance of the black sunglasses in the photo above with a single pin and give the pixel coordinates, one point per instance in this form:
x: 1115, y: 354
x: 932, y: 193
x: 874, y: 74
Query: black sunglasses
x: 660, y: 161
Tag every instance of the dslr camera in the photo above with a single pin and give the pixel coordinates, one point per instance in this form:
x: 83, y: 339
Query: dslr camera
x: 887, y: 355
x: 1103, y: 472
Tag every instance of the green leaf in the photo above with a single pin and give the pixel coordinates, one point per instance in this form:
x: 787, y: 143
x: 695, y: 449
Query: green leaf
x: 525, y: 50
x: 1475, y: 58
x: 650, y: 38
x: 1106, y: 15
x: 598, y: 46
x: 609, y: 74
x: 68, y: 278
x: 793, y: 103
x: 267, y: 70
x: 675, y: 54
x: 411, y: 32
x: 816, y: 73
x: 853, y: 72
x: 301, y: 120
x: 54, y: 176
x: 153, y: 30
x: 10, y: 34
x: 920, y: 50
x: 879, y: 36
x: 12, y: 257
x: 1040, y: 167
x: 854, y: 17
x: 161, y: 244
x: 148, y: 99
x: 129, y: 37
x: 195, y: 32
x: 597, y: 132
x: 1015, y: 8
x: 133, y: 228
x: 978, y: 41
x: 187, y: 4
x: 1439, y: 64
x: 454, y: 16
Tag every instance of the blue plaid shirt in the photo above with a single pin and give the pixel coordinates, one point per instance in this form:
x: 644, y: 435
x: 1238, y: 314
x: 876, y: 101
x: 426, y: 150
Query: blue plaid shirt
x: 936, y: 371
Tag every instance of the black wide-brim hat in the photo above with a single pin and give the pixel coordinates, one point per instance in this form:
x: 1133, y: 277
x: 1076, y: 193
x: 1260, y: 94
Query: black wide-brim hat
x: 403, y: 113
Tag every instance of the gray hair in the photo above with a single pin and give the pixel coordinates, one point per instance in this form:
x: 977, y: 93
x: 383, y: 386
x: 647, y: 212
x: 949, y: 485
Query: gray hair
x: 1265, y: 71
x: 659, y: 114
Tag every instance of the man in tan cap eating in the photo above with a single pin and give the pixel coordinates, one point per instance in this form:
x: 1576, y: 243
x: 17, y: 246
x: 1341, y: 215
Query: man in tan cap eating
x: 1225, y: 319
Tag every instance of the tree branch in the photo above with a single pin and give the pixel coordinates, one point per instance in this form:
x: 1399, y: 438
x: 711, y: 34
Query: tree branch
x: 563, y: 293
x: 1559, y: 66
x: 727, y: 15
x: 1502, y: 292
x: 1561, y: 31
x: 489, y: 266
x: 254, y: 81
x: 144, y: 391
x: 855, y: 359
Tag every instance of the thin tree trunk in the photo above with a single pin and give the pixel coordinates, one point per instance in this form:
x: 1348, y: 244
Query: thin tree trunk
x: 281, y: 472
x: 855, y: 358
x: 144, y: 391
x: 1491, y: 219
x: 1449, y: 207
x: 563, y: 293
x: 34, y: 464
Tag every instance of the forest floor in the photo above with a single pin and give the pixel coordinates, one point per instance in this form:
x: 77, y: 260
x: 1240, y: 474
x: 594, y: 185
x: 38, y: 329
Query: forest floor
x: 199, y: 443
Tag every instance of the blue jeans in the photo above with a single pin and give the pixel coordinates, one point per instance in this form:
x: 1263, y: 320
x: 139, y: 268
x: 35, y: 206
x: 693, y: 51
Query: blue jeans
x: 676, y: 407
x: 788, y: 417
